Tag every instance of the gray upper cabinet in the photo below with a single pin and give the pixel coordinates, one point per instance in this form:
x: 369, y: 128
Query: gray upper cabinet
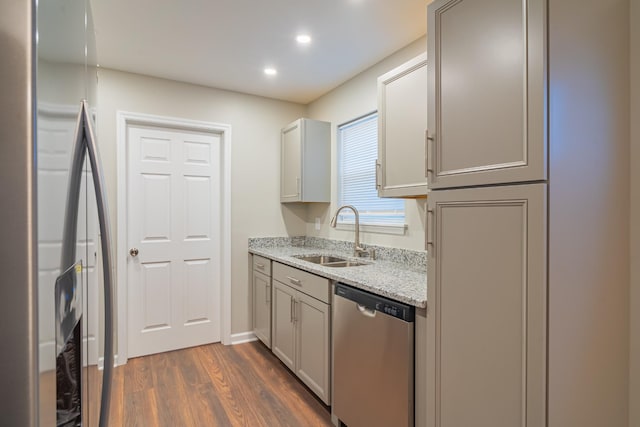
x: 306, y: 162
x: 402, y: 120
x: 487, y: 293
x: 486, y: 92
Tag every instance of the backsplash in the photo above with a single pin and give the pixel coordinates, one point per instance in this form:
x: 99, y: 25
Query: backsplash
x: 416, y: 259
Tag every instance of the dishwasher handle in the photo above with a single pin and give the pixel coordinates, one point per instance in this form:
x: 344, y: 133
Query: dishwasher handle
x: 366, y: 311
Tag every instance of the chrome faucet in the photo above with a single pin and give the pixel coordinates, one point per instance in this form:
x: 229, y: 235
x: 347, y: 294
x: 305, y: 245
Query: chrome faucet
x: 357, y: 249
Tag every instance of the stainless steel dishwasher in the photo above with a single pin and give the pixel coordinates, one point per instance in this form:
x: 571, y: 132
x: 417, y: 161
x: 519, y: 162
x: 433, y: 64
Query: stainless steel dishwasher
x: 372, y: 359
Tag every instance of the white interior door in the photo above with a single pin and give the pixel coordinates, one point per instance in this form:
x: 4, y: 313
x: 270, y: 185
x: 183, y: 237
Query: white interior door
x: 174, y: 222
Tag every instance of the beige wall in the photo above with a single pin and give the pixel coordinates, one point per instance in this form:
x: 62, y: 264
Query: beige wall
x: 255, y: 180
x: 255, y: 176
x: 352, y: 99
x: 634, y: 395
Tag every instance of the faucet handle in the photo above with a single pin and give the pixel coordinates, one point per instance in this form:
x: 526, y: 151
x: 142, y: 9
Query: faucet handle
x: 361, y: 252
x: 372, y: 253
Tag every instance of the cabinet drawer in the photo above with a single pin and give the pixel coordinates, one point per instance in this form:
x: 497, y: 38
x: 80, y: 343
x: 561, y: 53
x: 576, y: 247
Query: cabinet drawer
x: 310, y: 284
x: 261, y: 264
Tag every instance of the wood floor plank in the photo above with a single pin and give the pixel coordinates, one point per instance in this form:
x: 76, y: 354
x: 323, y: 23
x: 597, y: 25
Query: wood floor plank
x: 213, y: 385
x: 141, y: 409
x: 116, y: 414
x: 207, y: 408
x: 263, y: 402
x: 238, y: 409
x: 257, y: 413
x: 296, y: 396
x: 191, y: 367
x: 273, y: 369
x: 266, y: 394
x: 172, y: 399
x: 139, y: 376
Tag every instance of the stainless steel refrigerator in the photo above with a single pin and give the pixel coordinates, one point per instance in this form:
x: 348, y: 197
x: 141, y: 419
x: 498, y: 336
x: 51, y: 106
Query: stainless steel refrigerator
x: 55, y: 287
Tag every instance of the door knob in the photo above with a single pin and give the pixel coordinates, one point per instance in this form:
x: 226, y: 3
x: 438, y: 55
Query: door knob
x: 133, y: 252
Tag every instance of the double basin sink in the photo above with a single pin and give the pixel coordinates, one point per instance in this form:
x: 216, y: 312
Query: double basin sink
x: 330, y: 261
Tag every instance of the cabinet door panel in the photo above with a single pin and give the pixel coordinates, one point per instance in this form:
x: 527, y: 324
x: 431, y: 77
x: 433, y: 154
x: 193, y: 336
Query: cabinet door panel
x: 486, y: 91
x: 262, y: 307
x: 402, y: 120
x: 487, y: 307
x: 312, y: 323
x: 283, y: 337
x: 291, y: 163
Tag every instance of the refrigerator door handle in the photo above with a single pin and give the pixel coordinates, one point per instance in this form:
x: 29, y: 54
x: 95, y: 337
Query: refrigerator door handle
x: 69, y: 236
x: 105, y: 232
x: 85, y: 142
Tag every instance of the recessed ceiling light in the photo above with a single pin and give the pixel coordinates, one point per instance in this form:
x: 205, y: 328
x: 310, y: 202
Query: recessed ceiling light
x: 270, y: 71
x: 303, y: 39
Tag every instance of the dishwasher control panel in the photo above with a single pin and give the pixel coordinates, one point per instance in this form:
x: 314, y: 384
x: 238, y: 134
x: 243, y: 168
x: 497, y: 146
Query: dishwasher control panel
x: 391, y: 310
x: 375, y: 302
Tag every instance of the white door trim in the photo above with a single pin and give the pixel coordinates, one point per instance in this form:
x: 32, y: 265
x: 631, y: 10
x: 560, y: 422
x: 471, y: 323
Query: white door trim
x: 124, y: 119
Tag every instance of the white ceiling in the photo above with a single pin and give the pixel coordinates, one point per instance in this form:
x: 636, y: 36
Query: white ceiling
x: 227, y: 43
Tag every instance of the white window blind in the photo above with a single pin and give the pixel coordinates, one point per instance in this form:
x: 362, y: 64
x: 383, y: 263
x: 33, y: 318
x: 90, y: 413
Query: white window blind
x: 357, y: 154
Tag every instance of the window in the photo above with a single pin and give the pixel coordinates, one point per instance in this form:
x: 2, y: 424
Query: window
x: 357, y: 154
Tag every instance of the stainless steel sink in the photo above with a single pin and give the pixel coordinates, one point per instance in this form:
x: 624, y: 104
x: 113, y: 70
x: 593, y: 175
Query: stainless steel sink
x: 345, y: 264
x: 330, y: 261
x: 321, y: 259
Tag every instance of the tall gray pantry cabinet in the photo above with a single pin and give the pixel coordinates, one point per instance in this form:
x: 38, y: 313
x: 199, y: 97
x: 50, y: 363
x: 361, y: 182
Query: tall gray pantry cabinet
x: 527, y: 220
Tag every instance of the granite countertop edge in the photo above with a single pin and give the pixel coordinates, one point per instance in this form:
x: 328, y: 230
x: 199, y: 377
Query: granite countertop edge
x: 388, y: 279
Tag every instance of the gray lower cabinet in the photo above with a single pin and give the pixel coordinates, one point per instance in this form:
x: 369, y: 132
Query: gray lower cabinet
x: 301, y: 329
x: 261, y: 290
x: 262, y: 307
x: 284, y: 333
x: 313, y: 355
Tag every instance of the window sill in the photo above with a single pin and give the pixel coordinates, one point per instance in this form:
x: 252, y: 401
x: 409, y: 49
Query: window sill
x: 396, y: 229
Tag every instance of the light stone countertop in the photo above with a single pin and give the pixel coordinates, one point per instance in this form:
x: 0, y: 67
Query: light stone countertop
x: 401, y: 277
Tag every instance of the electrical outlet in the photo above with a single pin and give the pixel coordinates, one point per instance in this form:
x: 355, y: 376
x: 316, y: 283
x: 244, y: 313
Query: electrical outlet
x: 318, y: 224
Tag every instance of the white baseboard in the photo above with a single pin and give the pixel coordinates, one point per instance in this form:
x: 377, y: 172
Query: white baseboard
x: 116, y: 362
x: 242, y: 338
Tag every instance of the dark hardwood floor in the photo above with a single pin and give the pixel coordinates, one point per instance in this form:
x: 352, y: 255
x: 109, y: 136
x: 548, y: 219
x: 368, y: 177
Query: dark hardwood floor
x: 213, y: 385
